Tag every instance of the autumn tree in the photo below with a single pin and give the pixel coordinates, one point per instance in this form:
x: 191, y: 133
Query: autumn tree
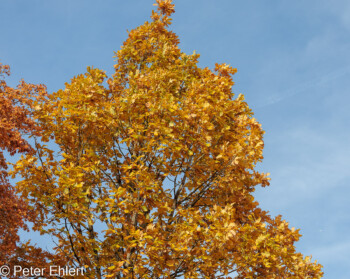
x: 153, y: 174
x: 15, y: 123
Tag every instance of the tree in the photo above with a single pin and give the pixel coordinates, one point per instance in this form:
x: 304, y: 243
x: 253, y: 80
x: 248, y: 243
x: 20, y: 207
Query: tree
x: 15, y: 122
x: 152, y: 174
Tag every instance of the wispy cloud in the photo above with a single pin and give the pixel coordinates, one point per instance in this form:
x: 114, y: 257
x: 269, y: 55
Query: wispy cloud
x: 305, y: 86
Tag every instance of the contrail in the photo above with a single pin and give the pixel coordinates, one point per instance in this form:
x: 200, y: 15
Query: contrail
x: 306, y: 85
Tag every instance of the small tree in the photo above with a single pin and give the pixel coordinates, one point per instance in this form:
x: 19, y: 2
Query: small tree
x: 15, y: 122
x: 153, y: 175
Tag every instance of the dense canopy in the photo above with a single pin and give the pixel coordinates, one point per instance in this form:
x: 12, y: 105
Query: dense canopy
x: 150, y: 173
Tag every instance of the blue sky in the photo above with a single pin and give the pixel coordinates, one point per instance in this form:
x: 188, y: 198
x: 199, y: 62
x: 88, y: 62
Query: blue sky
x: 293, y: 63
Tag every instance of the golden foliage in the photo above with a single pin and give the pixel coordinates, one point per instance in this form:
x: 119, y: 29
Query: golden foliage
x: 153, y: 175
